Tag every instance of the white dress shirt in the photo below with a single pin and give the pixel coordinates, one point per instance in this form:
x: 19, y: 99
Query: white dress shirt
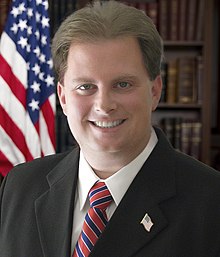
x: 117, y: 184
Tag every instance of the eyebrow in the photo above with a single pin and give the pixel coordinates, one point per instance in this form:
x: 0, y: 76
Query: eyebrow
x: 114, y: 80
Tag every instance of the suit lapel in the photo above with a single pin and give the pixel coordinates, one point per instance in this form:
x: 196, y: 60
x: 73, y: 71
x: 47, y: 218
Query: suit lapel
x: 54, y: 209
x: 155, y: 183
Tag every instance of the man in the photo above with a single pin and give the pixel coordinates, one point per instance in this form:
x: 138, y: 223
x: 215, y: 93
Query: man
x: 163, y: 203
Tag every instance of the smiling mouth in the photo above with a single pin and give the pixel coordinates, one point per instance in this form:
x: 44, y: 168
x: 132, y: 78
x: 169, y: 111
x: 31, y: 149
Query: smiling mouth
x: 108, y: 124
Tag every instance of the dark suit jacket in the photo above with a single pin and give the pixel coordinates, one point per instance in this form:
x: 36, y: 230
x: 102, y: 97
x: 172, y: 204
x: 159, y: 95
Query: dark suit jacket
x: 181, y: 196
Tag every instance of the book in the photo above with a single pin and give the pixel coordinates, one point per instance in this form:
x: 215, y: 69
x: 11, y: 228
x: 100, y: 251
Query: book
x: 171, y: 81
x: 186, y: 136
x: 191, y: 20
x: 163, y: 18
x: 196, y: 131
x: 186, y: 91
x: 182, y: 19
x: 173, y: 20
x: 199, y: 70
x: 200, y: 20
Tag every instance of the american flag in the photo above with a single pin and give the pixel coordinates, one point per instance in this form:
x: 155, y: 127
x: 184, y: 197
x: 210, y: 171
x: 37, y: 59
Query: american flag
x: 27, y: 90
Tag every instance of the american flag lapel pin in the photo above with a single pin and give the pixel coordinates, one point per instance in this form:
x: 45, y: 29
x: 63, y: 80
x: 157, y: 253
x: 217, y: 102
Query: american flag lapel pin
x: 147, y: 222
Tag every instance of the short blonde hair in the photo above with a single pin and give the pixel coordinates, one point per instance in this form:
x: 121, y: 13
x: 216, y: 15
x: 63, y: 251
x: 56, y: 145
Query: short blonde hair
x: 108, y: 20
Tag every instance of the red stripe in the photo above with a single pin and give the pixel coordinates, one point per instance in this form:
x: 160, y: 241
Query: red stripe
x: 14, y: 133
x: 90, y: 233
x: 83, y: 247
x: 50, y: 120
x: 96, y: 219
x: 16, y: 86
x: 6, y: 165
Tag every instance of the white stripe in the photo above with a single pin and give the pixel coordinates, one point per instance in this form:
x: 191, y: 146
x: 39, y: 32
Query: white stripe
x: 10, y: 150
x: 52, y: 101
x: 13, y: 58
x: 46, y: 144
x: 20, y: 117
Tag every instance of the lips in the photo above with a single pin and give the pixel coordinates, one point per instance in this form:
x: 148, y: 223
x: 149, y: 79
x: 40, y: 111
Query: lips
x: 108, y: 124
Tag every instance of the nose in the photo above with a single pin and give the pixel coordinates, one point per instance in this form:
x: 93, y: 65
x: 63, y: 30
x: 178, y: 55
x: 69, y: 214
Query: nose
x: 105, y: 102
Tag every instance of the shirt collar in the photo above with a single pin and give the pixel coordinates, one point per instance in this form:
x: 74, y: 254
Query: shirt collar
x: 119, y: 182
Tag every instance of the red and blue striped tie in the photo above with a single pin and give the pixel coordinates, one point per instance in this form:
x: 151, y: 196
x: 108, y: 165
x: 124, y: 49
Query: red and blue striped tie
x: 95, y: 220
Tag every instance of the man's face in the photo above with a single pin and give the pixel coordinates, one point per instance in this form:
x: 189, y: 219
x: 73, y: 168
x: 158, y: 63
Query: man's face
x: 107, y: 96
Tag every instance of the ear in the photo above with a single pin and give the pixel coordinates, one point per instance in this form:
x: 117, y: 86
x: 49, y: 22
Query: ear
x: 156, y: 91
x: 61, y: 96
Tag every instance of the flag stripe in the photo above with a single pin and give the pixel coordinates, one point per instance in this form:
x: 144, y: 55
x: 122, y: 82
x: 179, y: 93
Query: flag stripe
x: 5, y: 163
x: 6, y: 145
x: 14, y: 133
x: 47, y: 111
x: 16, y: 87
x: 18, y: 113
x: 13, y: 58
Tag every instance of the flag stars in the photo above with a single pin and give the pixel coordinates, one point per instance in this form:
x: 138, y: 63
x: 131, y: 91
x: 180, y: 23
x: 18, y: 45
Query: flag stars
x: 28, y: 48
x: 50, y: 63
x: 21, y: 8
x: 23, y: 42
x: 38, y: 16
x: 46, y: 5
x: 37, y: 51
x: 36, y: 69
x: 42, y: 58
x: 22, y: 24
x: 30, y: 12
x: 43, y: 40
x: 36, y: 87
x: 49, y: 80
x: 38, y: 2
x: 15, y: 12
x: 34, y: 105
x: 45, y: 22
x: 37, y: 34
x: 41, y: 76
x: 14, y: 28
x: 29, y: 30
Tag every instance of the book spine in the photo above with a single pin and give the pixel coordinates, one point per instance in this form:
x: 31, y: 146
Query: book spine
x: 185, y: 136
x: 200, y: 20
x: 171, y: 81
x: 163, y: 19
x: 173, y: 21
x: 186, y: 80
x: 196, y: 139
x: 191, y: 21
x: 182, y: 19
x: 199, y: 78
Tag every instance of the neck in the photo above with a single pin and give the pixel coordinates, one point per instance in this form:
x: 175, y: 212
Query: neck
x: 106, y: 164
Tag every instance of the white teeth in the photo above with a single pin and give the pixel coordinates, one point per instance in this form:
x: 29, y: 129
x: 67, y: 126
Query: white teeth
x: 105, y: 124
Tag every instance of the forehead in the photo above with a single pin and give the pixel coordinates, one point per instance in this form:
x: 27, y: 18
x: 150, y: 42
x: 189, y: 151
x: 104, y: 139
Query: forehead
x: 119, y: 52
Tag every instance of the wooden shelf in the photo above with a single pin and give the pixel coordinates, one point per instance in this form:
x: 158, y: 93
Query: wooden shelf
x: 179, y: 106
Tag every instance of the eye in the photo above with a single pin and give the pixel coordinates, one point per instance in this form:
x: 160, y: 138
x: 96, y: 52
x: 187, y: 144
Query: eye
x: 86, y: 89
x: 123, y: 85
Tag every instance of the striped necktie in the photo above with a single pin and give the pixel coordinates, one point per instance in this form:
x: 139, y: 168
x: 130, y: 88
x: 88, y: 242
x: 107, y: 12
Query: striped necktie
x: 95, y: 220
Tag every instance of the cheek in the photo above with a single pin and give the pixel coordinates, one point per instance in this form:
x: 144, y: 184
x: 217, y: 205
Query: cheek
x: 76, y: 108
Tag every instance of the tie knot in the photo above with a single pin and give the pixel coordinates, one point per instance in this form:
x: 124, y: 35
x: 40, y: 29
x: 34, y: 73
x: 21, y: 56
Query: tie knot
x: 99, y: 196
